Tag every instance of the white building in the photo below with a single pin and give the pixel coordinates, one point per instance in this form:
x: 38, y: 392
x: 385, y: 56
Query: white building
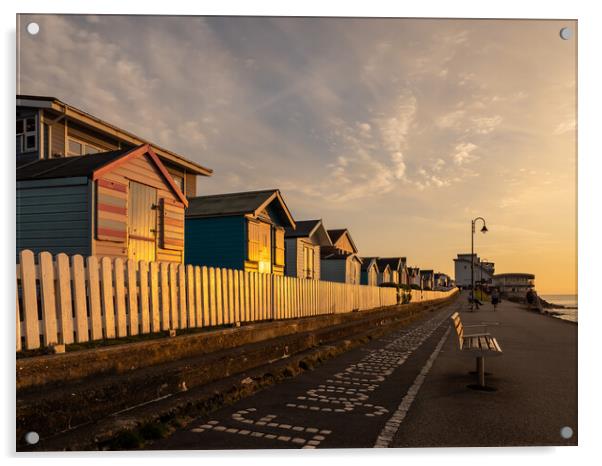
x: 483, y: 271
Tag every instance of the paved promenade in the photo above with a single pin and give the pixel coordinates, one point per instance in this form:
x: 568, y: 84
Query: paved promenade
x: 409, y: 389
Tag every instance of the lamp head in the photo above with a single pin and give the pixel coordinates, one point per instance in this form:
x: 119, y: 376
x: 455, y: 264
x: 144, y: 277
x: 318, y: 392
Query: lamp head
x: 484, y: 229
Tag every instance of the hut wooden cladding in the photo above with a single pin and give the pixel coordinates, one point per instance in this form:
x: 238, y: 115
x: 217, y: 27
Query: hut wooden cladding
x: 64, y: 299
x: 118, y: 204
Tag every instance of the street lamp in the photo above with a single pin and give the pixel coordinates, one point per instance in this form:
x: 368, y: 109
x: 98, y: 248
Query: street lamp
x: 483, y: 230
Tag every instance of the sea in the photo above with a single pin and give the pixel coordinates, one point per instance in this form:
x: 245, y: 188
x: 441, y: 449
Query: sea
x: 569, y: 300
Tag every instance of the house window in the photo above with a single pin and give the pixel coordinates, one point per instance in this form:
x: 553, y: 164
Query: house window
x: 27, y: 134
x: 77, y: 147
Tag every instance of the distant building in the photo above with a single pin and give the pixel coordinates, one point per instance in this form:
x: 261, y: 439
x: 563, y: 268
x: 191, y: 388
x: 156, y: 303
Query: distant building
x: 427, y: 279
x: 414, y: 276
x: 442, y: 281
x: 514, y: 285
x: 483, y: 271
x: 398, y: 267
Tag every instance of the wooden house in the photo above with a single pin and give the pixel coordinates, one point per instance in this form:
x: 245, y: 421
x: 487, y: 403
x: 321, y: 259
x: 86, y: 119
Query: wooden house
x: 48, y: 128
x: 369, y: 271
x: 242, y: 231
x: 398, y: 267
x: 341, y: 239
x: 122, y: 203
x: 340, y: 266
x: 427, y: 279
x: 303, y: 245
x: 385, y: 274
x: 414, y: 276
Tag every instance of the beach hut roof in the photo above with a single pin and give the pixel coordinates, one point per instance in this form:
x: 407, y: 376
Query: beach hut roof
x: 336, y: 234
x: 307, y: 229
x: 242, y: 203
x: 367, y: 262
x: 92, y: 166
x: 333, y: 253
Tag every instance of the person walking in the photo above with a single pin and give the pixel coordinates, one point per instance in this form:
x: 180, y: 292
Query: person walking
x: 495, y: 298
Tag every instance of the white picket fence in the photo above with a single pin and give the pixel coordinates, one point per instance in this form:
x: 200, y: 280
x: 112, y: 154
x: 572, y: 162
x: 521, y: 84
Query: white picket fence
x: 62, y: 299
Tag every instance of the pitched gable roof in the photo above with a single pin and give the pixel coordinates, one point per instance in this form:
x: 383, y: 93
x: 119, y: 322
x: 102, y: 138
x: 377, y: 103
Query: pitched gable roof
x: 304, y: 229
x: 308, y: 228
x: 333, y: 253
x: 93, y: 166
x: 337, y: 234
x: 394, y: 262
x: 243, y: 203
x: 367, y: 262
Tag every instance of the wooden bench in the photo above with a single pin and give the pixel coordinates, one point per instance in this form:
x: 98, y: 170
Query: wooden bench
x: 477, y: 344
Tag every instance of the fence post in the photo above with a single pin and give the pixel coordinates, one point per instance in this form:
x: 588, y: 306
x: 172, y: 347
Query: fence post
x: 30, y: 300
x: 94, y: 298
x: 155, y: 304
x: 132, y: 296
x: 120, y: 298
x: 48, y: 298
x: 143, y: 301
x: 79, y: 295
x: 64, y: 298
x: 108, y: 309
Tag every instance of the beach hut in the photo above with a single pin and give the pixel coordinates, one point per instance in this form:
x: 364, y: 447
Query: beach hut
x: 414, y: 276
x: 303, y: 245
x: 369, y: 271
x: 398, y: 267
x: 121, y: 203
x: 341, y: 239
x: 242, y: 231
x: 340, y: 266
x: 385, y: 275
x: 427, y: 279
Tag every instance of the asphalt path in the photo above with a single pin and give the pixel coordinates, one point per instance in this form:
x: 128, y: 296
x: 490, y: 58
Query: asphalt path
x: 409, y: 389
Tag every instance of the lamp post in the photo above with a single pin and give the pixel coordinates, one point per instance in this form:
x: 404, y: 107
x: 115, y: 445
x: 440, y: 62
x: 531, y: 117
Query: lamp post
x: 483, y: 230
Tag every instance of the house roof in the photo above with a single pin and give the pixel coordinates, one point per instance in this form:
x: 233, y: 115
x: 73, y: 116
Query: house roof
x: 92, y: 166
x: 382, y: 266
x: 66, y: 167
x: 426, y: 272
x: 336, y: 234
x: 232, y: 204
x: 394, y: 262
x: 309, y: 229
x: 304, y: 228
x: 36, y: 101
x: 333, y: 253
x: 368, y: 261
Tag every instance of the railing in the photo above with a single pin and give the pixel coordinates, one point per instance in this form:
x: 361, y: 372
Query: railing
x: 62, y: 299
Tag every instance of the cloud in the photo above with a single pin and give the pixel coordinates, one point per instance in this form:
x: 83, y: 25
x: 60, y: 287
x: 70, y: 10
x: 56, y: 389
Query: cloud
x: 464, y: 153
x: 565, y: 127
x: 485, y: 125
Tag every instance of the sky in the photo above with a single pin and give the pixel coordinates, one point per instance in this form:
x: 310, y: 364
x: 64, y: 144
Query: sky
x: 401, y: 130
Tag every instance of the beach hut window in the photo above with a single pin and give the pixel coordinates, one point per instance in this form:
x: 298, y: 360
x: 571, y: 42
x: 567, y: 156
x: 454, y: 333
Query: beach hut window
x: 75, y: 147
x: 27, y: 134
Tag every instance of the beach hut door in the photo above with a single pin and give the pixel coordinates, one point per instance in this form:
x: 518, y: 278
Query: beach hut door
x: 142, y: 215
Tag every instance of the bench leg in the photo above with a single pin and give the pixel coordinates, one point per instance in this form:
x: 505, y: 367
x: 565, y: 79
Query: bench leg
x: 481, y: 370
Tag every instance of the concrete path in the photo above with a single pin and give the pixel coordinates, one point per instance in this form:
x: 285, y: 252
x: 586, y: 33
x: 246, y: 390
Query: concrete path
x: 409, y: 389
